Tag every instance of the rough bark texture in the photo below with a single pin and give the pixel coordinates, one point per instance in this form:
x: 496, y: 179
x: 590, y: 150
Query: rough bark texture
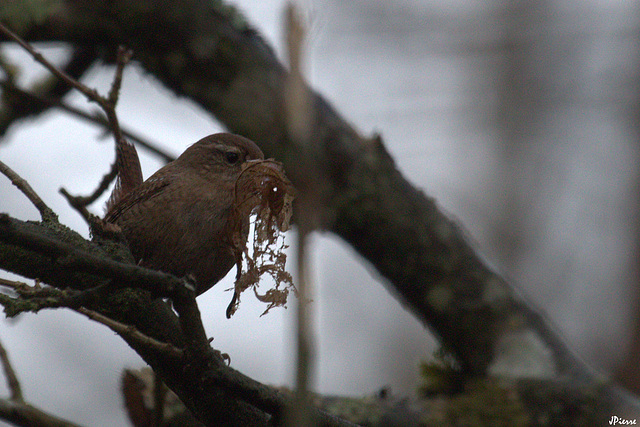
x: 205, y: 51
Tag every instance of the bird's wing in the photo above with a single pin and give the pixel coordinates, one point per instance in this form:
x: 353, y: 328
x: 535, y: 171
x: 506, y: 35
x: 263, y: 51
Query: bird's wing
x: 147, y: 190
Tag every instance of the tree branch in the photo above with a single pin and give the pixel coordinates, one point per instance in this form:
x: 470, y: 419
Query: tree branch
x: 23, y: 99
x: 216, y: 393
x: 16, y: 410
x: 12, y: 379
x: 45, y: 211
x: 16, y: 106
x: 35, y: 298
x: 132, y: 333
x: 23, y: 414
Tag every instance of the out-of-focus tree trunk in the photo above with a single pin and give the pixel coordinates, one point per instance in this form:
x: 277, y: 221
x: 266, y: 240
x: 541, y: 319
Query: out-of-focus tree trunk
x: 521, y: 102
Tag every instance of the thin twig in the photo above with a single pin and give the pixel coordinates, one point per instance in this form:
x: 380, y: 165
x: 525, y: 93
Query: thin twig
x: 298, y: 120
x: 127, y: 161
x: 124, y: 56
x: 106, y: 103
x: 77, y: 202
x: 95, y: 118
x: 46, y: 213
x: 18, y: 107
x: 25, y: 415
x: 35, y: 298
x: 12, y: 378
x: 131, y: 333
x: 80, y: 203
x: 52, y: 297
x: 11, y: 283
x: 159, y: 397
x: 92, y: 94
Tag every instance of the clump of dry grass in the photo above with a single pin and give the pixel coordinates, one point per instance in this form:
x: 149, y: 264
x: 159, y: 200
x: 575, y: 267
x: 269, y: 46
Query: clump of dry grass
x: 264, y: 190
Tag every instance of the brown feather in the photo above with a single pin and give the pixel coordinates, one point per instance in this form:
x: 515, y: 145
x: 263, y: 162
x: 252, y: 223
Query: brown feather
x: 129, y: 172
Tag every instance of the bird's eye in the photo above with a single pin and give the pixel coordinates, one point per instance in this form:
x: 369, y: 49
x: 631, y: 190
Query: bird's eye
x: 232, y: 157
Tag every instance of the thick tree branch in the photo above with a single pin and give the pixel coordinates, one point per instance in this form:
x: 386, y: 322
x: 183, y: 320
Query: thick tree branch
x: 216, y: 393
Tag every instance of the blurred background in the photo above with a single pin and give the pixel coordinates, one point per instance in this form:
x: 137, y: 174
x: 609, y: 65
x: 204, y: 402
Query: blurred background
x: 519, y: 117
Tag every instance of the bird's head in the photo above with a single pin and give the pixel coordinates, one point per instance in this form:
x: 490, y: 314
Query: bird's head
x: 221, y: 155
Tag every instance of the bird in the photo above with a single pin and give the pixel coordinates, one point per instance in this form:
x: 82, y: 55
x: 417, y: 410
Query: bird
x: 178, y: 220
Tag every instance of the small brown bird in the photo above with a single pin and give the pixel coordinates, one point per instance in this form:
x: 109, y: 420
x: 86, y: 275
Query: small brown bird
x: 177, y: 220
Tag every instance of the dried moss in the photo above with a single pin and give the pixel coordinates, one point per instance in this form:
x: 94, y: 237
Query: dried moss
x: 264, y: 190
x: 484, y: 402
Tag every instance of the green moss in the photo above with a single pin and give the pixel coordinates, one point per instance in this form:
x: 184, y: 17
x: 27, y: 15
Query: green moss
x: 441, y: 375
x: 13, y: 307
x: 365, y: 411
x: 559, y: 404
x: 484, y: 402
x: 452, y: 399
x: 124, y: 303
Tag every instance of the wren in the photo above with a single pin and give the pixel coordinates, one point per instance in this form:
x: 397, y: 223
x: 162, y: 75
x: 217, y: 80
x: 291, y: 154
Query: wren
x: 177, y: 220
